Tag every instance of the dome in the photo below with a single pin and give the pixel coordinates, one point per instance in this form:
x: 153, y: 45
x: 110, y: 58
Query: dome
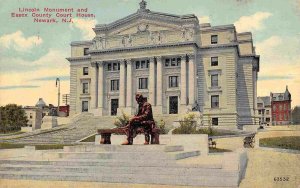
x: 41, y: 103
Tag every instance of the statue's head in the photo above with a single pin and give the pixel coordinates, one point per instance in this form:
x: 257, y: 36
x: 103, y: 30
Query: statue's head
x: 139, y: 98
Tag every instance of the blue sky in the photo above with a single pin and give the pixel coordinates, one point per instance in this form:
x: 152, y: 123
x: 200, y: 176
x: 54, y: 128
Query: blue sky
x: 32, y: 55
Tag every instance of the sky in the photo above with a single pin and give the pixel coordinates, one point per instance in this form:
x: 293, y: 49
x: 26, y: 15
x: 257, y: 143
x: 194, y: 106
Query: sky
x: 33, y: 55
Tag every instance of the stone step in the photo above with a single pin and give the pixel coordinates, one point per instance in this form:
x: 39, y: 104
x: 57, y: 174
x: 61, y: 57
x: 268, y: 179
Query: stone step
x: 134, y: 178
x: 119, y: 148
x: 122, y: 155
x: 93, y: 162
x: 151, y: 170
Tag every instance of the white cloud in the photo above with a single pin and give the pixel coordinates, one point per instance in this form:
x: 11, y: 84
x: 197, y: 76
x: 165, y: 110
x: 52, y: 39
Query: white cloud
x: 19, y: 42
x: 279, y: 58
x: 53, y: 59
x: 267, y: 46
x: 85, y: 26
x: 204, y: 19
x: 46, y: 89
x: 253, y: 22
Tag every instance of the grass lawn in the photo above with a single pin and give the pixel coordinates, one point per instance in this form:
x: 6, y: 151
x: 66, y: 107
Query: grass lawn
x: 287, y: 142
x: 89, y: 139
x: 38, y: 147
x: 11, y: 133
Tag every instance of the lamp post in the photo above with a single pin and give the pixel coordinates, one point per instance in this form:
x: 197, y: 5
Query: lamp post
x: 58, y: 94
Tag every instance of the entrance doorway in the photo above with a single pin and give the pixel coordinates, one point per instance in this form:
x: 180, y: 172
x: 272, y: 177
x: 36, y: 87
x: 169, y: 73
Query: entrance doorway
x: 114, y: 106
x: 173, y: 105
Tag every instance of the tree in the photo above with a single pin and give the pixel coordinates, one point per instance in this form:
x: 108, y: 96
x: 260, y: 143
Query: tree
x: 296, y: 115
x: 13, y: 117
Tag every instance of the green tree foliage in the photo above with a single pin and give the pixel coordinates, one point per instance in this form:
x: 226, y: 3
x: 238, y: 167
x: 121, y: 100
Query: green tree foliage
x: 122, y: 120
x: 12, y: 118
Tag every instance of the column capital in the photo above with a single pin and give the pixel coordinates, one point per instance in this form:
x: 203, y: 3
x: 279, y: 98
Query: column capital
x: 151, y: 59
x: 129, y: 61
x: 100, y: 63
x: 191, y: 56
x: 121, y: 61
x: 158, y: 58
x: 94, y: 64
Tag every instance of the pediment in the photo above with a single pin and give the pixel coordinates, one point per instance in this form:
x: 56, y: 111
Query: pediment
x: 146, y: 22
x: 146, y: 28
x: 140, y: 26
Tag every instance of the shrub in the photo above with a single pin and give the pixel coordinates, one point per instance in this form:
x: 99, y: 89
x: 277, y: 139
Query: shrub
x: 121, y: 121
x: 188, y: 125
x: 162, y: 126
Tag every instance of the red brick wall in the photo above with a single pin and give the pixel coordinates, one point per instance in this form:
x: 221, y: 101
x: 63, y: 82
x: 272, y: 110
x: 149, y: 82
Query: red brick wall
x: 281, y: 111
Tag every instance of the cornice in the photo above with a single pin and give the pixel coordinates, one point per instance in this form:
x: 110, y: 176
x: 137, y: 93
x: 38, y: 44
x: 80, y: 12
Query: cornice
x: 79, y: 59
x: 81, y: 43
x: 193, y: 43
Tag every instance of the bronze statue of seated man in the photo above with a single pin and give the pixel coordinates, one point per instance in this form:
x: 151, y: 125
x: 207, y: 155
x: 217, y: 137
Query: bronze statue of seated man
x: 143, y: 120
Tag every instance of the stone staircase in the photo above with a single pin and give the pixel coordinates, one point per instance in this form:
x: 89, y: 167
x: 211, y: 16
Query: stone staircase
x: 80, y: 127
x: 137, y: 164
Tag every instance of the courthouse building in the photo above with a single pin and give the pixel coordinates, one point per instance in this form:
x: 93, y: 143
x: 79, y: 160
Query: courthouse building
x: 172, y: 60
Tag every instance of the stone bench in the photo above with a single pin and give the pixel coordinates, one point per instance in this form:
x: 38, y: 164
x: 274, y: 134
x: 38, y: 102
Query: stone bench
x: 106, y: 134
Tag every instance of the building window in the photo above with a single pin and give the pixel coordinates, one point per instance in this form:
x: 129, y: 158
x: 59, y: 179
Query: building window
x: 173, y: 81
x: 259, y: 111
x: 143, y: 64
x: 214, y: 80
x: 285, y: 117
x: 274, y: 108
x: 215, y: 101
x: 215, y: 121
x: 85, y: 88
x: 85, y: 51
x: 267, y: 112
x: 280, y: 107
x: 85, y: 106
x: 85, y: 71
x: 214, y: 39
x: 113, y: 66
x: 114, y: 85
x: 143, y: 83
x: 214, y: 61
x: 172, y: 62
x: 30, y: 116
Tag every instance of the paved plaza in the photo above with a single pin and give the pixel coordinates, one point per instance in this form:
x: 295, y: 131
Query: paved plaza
x: 263, y: 166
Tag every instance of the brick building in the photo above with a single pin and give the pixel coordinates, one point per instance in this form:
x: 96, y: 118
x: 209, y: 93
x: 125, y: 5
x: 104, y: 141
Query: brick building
x: 281, y: 108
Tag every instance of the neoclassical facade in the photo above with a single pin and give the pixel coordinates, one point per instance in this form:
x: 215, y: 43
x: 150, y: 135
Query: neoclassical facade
x: 174, y: 61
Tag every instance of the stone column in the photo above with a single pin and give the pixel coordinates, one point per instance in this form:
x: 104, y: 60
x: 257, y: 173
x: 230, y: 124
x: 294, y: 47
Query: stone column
x: 122, y: 96
x: 183, y: 84
x: 129, y: 95
x: 94, y: 85
x: 100, y: 87
x: 159, y: 85
x: 192, y: 77
x: 152, y: 82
